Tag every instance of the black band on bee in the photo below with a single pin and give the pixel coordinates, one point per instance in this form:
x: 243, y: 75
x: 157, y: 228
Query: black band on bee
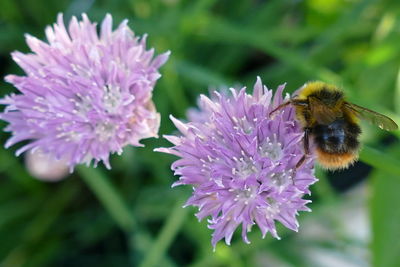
x: 328, y: 96
x: 340, y: 136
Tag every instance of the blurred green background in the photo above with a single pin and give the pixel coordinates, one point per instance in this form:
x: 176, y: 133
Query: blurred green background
x: 130, y: 216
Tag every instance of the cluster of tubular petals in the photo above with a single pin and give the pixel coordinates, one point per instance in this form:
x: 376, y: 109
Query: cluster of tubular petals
x: 241, y: 163
x: 84, y: 95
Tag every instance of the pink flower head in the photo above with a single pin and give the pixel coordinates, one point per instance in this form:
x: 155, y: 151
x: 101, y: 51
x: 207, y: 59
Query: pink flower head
x: 241, y: 162
x: 84, y: 95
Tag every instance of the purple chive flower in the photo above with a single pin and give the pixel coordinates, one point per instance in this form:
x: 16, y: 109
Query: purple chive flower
x: 241, y: 162
x: 85, y: 94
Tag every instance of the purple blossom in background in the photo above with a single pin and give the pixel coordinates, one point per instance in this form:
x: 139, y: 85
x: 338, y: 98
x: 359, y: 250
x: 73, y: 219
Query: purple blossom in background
x: 241, y: 163
x: 84, y: 95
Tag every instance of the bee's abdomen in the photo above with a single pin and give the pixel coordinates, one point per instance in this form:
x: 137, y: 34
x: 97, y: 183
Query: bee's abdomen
x: 337, y: 143
x: 340, y: 136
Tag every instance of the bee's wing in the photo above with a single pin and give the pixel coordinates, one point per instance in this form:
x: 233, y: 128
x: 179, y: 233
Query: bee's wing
x: 322, y: 113
x: 373, y: 117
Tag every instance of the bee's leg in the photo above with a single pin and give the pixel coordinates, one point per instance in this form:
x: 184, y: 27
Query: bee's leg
x: 306, y: 143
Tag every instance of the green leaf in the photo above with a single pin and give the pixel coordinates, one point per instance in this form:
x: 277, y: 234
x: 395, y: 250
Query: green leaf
x: 385, y: 217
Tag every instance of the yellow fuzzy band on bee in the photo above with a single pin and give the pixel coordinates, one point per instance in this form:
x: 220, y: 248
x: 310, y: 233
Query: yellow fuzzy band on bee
x: 313, y: 87
x: 336, y: 161
x: 300, y: 110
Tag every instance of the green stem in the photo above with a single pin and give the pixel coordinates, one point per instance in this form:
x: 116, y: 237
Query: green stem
x: 118, y: 209
x: 166, y: 236
x: 109, y: 197
x: 380, y: 160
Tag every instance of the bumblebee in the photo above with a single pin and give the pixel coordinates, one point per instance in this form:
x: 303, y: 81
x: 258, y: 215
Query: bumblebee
x: 332, y: 123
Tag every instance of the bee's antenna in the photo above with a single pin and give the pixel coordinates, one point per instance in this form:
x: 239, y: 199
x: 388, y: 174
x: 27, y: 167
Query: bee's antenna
x: 281, y: 106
